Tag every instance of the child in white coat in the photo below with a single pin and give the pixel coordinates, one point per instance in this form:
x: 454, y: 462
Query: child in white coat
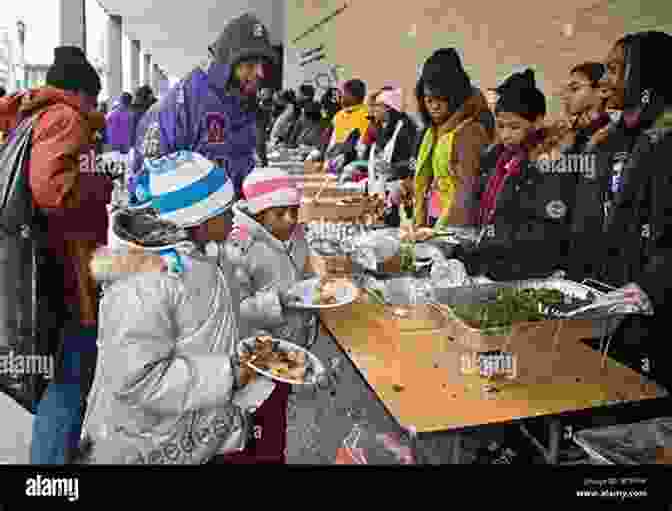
x: 269, y: 254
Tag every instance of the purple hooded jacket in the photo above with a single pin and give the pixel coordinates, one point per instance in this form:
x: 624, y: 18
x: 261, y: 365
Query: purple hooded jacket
x: 203, y: 113
x: 119, y: 127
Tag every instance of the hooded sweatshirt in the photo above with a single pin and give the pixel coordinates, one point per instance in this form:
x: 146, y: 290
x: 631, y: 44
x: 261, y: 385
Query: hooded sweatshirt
x: 204, y: 113
x: 119, y: 129
x: 164, y: 389
x: 64, y: 184
x: 263, y: 265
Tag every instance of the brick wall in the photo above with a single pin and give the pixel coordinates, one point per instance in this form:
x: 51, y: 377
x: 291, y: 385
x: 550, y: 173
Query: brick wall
x: 382, y: 41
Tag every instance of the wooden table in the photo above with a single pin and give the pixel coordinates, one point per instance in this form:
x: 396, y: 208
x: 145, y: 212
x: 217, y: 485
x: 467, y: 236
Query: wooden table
x: 418, y: 378
x: 330, y: 209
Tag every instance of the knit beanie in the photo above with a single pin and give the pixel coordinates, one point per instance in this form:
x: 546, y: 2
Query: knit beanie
x: 393, y: 99
x: 72, y: 72
x: 444, y: 76
x: 144, y: 96
x: 356, y: 88
x: 266, y: 188
x: 187, y: 189
x: 519, y: 95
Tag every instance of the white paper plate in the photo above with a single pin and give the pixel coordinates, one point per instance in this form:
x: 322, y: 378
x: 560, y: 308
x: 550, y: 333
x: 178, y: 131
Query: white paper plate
x: 314, y: 370
x: 305, y: 289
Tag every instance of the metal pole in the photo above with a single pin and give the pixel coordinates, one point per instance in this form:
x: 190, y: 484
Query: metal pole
x: 84, y: 27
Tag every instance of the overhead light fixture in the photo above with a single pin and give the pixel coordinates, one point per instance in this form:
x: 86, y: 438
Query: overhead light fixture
x: 568, y: 29
x: 413, y: 32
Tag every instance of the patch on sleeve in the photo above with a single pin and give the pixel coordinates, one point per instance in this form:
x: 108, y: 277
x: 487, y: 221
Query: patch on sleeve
x: 216, y: 123
x: 413, y: 164
x: 151, y: 144
x: 556, y: 209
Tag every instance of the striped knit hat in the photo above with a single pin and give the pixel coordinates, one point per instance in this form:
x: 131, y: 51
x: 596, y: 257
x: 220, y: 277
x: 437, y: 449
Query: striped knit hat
x: 268, y: 188
x: 188, y: 189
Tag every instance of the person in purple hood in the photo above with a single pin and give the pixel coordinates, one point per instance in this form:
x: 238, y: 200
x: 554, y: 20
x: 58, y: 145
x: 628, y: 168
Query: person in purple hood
x: 212, y: 111
x: 119, y: 125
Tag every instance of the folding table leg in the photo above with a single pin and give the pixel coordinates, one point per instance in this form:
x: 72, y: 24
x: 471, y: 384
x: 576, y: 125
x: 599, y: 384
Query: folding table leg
x: 457, y: 449
x: 554, y: 433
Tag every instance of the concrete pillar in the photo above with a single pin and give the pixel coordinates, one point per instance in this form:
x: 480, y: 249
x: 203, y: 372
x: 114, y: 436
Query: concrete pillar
x: 135, y: 65
x: 146, y: 72
x: 72, y: 25
x: 156, y: 78
x: 113, y: 58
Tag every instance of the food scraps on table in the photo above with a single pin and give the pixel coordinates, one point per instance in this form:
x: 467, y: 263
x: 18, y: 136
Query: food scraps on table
x: 265, y: 355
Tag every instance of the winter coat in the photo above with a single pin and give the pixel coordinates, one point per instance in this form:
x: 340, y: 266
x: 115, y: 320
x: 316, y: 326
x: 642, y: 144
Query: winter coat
x: 165, y: 386
x: 310, y: 134
x: 284, y: 124
x: 263, y: 265
x: 119, y: 130
x: 201, y: 114
x: 530, y: 231
x: 638, y: 231
x: 451, y: 172
x: 64, y: 186
x: 403, y: 155
x: 348, y: 120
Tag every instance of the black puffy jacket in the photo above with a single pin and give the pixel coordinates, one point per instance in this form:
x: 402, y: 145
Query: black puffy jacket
x: 530, y: 235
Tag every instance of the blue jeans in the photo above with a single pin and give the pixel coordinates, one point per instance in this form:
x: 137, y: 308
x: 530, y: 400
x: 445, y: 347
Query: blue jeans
x: 58, y: 418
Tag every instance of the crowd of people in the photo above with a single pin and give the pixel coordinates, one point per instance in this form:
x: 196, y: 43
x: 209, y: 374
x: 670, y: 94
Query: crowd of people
x: 206, y: 251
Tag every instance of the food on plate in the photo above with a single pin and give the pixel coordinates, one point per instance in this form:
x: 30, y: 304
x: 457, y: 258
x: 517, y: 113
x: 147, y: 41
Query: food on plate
x: 326, y: 291
x: 265, y: 355
x: 510, y: 306
x: 408, y: 233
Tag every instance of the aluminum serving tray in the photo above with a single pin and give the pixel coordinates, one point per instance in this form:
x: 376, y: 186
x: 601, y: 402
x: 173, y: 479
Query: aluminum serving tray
x: 493, y: 337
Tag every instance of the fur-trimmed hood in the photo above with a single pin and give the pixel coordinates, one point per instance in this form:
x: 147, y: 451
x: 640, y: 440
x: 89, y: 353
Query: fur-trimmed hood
x: 138, y: 240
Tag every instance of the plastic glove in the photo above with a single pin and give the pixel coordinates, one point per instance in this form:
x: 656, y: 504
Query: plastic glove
x: 336, y: 163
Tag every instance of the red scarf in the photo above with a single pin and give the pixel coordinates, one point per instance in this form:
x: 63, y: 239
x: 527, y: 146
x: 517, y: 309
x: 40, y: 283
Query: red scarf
x: 508, y: 164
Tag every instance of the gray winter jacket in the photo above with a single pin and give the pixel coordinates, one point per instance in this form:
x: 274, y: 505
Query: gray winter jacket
x: 263, y: 265
x: 165, y: 386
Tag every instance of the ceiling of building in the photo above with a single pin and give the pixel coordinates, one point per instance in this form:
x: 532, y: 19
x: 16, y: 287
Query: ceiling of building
x: 177, y: 34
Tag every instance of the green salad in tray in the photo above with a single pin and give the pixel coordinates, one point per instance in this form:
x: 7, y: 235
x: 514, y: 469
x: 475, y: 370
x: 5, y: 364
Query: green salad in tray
x: 510, y: 306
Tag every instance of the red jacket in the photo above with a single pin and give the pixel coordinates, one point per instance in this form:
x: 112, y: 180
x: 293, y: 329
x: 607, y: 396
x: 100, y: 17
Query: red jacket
x: 75, y: 203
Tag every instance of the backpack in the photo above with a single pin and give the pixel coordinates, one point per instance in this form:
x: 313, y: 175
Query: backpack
x: 18, y: 265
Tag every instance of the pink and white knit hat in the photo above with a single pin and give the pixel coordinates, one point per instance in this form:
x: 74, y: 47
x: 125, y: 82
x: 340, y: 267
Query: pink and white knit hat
x: 393, y: 99
x: 268, y: 188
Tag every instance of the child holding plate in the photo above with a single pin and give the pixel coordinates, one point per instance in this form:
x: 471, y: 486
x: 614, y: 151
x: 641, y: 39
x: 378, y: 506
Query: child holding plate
x: 269, y: 253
